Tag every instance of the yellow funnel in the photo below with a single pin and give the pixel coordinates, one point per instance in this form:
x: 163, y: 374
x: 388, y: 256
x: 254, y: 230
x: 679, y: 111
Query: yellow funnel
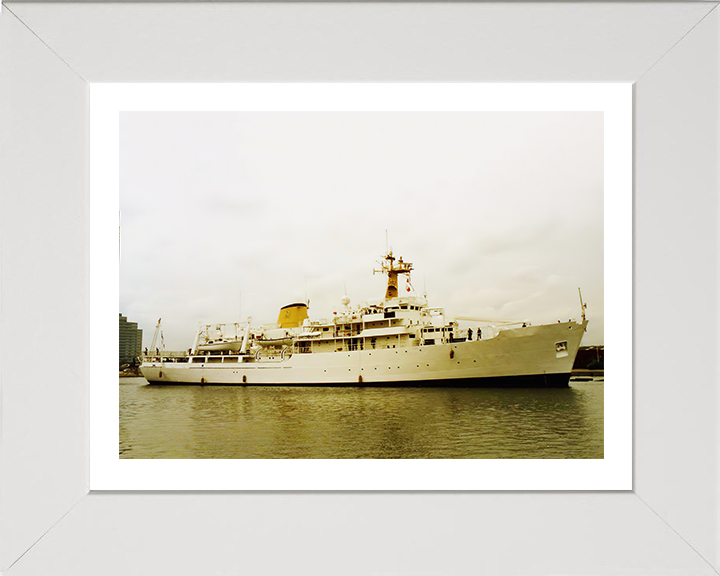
x: 292, y: 315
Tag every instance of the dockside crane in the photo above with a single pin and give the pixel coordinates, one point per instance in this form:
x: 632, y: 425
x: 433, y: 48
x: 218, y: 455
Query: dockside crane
x: 155, y: 337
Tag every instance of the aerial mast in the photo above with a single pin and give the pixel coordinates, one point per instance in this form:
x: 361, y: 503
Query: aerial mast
x: 393, y: 270
x: 155, y: 336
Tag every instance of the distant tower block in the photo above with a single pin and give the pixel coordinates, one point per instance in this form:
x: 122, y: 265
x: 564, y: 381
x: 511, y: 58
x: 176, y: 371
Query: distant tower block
x: 130, y: 341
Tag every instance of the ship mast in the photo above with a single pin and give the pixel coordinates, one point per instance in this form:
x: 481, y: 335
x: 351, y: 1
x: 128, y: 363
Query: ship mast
x: 158, y: 331
x: 392, y: 269
x: 583, y: 306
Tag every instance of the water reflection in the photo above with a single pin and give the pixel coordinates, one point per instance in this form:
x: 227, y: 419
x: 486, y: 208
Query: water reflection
x: 308, y: 422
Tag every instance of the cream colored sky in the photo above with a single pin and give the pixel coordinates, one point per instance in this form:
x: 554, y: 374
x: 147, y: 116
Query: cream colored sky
x: 501, y: 213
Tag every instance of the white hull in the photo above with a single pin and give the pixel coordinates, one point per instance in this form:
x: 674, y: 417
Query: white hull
x: 535, y: 355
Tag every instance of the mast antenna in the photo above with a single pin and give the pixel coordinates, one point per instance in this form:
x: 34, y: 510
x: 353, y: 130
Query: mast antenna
x: 345, y: 299
x: 155, y: 336
x: 583, y: 307
x: 393, y: 270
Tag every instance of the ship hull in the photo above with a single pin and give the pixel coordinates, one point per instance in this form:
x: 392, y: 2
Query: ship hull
x: 525, y: 381
x: 537, y: 356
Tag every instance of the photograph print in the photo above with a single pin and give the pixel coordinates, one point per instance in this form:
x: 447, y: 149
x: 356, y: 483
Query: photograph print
x: 361, y: 285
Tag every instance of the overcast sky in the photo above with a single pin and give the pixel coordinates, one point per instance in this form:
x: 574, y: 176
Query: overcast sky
x: 226, y: 215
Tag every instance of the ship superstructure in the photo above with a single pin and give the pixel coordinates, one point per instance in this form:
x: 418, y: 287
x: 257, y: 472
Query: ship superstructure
x: 399, y: 340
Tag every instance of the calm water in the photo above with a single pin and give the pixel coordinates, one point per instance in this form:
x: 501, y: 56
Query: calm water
x: 300, y: 422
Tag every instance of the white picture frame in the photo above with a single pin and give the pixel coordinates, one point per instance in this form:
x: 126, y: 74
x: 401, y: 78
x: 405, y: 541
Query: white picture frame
x: 49, y: 53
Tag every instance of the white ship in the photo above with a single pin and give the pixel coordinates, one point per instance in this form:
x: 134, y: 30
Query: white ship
x: 399, y: 341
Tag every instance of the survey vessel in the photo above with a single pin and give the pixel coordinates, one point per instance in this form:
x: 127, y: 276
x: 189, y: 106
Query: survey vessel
x: 399, y: 340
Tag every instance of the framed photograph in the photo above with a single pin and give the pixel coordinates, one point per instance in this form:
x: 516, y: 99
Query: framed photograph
x: 59, y: 243
x: 559, y: 160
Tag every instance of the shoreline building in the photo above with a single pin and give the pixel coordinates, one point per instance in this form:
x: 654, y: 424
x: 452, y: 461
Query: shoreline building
x: 590, y: 358
x: 130, y: 341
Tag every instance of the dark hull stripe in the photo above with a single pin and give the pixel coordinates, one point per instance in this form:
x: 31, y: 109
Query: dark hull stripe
x: 531, y: 381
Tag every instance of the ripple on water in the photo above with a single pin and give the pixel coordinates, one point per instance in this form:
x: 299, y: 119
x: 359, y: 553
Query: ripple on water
x: 318, y: 422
